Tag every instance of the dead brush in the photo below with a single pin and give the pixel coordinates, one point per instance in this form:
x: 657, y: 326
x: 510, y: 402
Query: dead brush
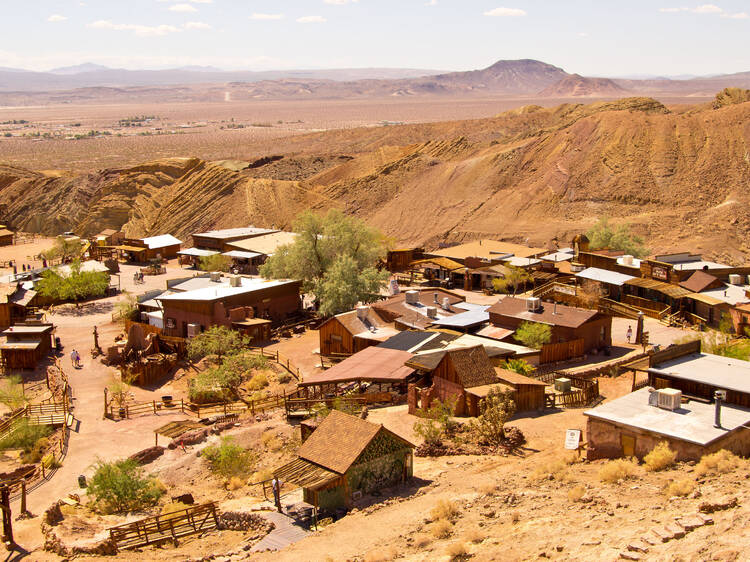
x: 682, y: 487
x: 488, y: 489
x: 422, y: 540
x: 576, y: 493
x: 441, y: 529
x: 719, y: 462
x: 381, y: 555
x: 474, y: 535
x: 618, y: 469
x: 456, y: 550
x: 444, y: 510
x: 660, y: 457
x: 271, y: 441
x: 235, y: 483
x: 556, y: 469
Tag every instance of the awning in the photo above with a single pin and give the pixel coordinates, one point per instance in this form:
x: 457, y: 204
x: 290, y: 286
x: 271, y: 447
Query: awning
x: 305, y: 474
x: 131, y: 248
x: 673, y: 291
x: 443, y: 263
x: 197, y: 252
x: 241, y: 254
x: 177, y: 428
x: 711, y: 301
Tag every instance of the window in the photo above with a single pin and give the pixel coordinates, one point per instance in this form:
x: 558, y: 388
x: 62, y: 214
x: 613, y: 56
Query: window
x: 171, y: 323
x: 336, y: 338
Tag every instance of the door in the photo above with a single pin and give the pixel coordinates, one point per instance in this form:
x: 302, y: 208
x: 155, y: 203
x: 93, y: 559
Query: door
x: 628, y: 445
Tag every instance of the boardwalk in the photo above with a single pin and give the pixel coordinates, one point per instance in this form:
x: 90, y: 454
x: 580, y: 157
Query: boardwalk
x: 285, y: 533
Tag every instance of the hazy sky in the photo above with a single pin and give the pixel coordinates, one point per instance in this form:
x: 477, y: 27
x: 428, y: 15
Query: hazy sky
x: 591, y: 37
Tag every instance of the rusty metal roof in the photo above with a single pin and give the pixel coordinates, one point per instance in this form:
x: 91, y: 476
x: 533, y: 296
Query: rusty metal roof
x: 372, y: 364
x: 673, y: 291
x: 304, y: 474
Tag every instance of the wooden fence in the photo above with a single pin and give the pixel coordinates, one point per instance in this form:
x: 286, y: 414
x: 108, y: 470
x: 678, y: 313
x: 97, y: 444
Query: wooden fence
x: 160, y: 528
x: 587, y: 390
x: 553, y: 352
x: 614, y: 308
x: 305, y: 406
x: 155, y: 407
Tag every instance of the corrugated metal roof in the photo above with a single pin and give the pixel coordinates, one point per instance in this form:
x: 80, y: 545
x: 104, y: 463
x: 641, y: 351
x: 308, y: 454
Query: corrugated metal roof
x: 604, y: 276
x: 241, y: 254
x: 465, y: 319
x: 161, y: 241
x: 197, y: 252
x: 372, y: 364
x: 673, y: 291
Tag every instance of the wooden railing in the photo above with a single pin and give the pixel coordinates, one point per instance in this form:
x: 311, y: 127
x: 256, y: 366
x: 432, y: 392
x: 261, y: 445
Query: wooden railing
x: 170, y: 526
x: 614, y: 308
x: 587, y: 390
x: 303, y: 406
x: 154, y: 407
x: 553, y: 352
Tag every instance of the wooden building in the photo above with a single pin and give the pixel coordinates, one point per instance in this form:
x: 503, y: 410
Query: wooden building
x: 400, y: 260
x: 142, y: 250
x: 344, y: 458
x: 528, y: 393
x: 189, y: 312
x: 568, y: 324
x: 350, y: 332
x: 455, y: 375
x: 6, y: 237
x: 220, y: 240
x: 14, y: 301
x: 25, y: 345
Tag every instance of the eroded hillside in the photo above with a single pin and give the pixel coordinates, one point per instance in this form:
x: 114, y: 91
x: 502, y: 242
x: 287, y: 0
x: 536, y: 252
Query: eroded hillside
x: 681, y: 177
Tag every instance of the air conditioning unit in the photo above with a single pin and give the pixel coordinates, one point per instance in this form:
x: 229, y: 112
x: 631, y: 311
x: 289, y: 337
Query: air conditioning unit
x: 446, y: 303
x: 669, y: 398
x: 533, y: 304
x: 735, y: 279
x: 193, y: 330
x: 627, y: 259
x: 562, y: 385
x: 235, y: 281
x: 431, y: 312
x: 412, y: 297
x: 215, y: 276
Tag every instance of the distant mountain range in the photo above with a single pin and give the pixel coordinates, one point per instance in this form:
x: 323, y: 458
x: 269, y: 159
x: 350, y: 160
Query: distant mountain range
x: 525, y: 78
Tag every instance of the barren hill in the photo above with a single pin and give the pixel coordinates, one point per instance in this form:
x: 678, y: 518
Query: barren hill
x: 575, y: 85
x: 679, y: 176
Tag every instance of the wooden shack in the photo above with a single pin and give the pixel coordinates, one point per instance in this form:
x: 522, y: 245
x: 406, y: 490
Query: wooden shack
x: 528, y: 393
x: 344, y: 458
x: 25, y: 345
x: 400, y: 259
x: 353, y: 331
x: 6, y: 237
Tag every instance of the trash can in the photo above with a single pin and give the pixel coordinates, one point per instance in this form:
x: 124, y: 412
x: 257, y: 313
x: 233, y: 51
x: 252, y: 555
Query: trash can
x: 81, y: 481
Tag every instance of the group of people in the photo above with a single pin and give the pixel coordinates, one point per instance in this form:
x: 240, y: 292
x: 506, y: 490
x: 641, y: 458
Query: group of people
x: 75, y: 359
x: 138, y: 277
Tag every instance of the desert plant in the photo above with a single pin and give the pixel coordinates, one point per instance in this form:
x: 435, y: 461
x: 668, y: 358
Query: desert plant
x: 618, y: 469
x: 444, y: 509
x: 75, y: 286
x: 216, y: 340
x: 235, y: 483
x: 422, y: 540
x: 229, y: 459
x: 602, y: 235
x: 25, y: 436
x: 474, y: 535
x: 719, y: 462
x: 518, y: 366
x: 576, y: 493
x: 120, y: 486
x: 172, y: 509
x: 217, y: 262
x: 556, y: 469
x: 682, y: 487
x: 511, y: 281
x: 12, y: 393
x: 34, y: 454
x: 441, y: 529
x: 660, y: 457
x: 126, y: 309
x: 489, y: 427
x: 456, y: 550
x: 258, y: 381
x: 533, y: 334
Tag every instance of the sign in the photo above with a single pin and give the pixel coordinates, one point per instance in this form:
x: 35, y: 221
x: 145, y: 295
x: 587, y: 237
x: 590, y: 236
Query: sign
x: 659, y: 273
x: 565, y: 289
x: 171, y: 323
x: 572, y: 439
x: 394, y: 287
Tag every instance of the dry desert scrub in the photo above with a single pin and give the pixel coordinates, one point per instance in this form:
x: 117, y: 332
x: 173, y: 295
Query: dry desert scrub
x: 660, y: 457
x: 719, y: 462
x: 444, y: 509
x: 576, y: 493
x: 381, y: 555
x: 456, y: 550
x: 441, y: 529
x: 235, y: 483
x: 473, y: 535
x: 618, y: 469
x: 682, y: 487
x: 556, y: 469
x: 422, y: 540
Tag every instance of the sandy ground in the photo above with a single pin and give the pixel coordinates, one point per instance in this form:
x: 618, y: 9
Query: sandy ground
x: 24, y: 253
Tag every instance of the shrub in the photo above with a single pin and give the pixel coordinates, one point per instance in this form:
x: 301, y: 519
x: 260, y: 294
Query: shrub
x: 719, y: 462
x: 618, y: 469
x: 120, y: 486
x: 497, y: 408
x: 444, y: 509
x: 35, y: 453
x: 257, y: 382
x: 441, y: 529
x: 284, y: 378
x: 556, y: 469
x: 533, y: 334
x: 429, y: 430
x: 576, y: 493
x: 216, y: 340
x: 271, y: 441
x: 235, y: 483
x: 422, y: 540
x: 456, y: 550
x: 172, y: 507
x: 437, y: 422
x: 381, y: 555
x: 681, y: 487
x: 229, y: 459
x: 261, y: 476
x: 660, y: 457
x: 12, y: 393
x: 474, y: 535
x: 25, y: 436
x: 518, y: 366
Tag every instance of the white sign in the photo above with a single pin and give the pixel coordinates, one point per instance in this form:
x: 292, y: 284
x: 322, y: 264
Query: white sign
x: 565, y: 289
x: 394, y: 287
x: 572, y: 439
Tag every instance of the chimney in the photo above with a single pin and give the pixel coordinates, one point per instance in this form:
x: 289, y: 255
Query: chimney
x: 446, y: 303
x: 435, y: 297
x: 431, y: 312
x: 719, y: 396
x: 362, y: 312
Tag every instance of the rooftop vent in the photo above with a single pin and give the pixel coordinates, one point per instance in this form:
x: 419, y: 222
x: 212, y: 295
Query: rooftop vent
x: 735, y: 279
x: 362, y: 312
x: 215, y: 276
x: 435, y: 298
x: 446, y: 303
x: 412, y: 297
x: 668, y: 398
x: 431, y: 312
x: 627, y: 259
x: 533, y: 304
x: 235, y: 281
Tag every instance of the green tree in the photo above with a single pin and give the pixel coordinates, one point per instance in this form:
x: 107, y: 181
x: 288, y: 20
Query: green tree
x: 75, y: 286
x: 511, y: 281
x: 64, y: 249
x: 217, y: 262
x: 216, y: 340
x: 533, y: 334
x: 120, y: 486
x: 229, y: 459
x: 497, y: 408
x: 335, y: 256
x: 602, y: 235
x: 518, y: 366
x: 725, y: 324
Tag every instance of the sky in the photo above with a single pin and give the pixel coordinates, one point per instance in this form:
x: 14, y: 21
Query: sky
x: 590, y: 37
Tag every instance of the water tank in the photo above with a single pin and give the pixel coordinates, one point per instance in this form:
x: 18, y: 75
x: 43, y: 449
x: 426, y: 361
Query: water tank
x: 533, y: 304
x: 627, y: 259
x: 412, y: 297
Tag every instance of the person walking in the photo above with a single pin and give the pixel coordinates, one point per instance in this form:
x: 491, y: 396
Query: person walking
x: 74, y: 358
x: 276, y: 484
x: 629, y: 334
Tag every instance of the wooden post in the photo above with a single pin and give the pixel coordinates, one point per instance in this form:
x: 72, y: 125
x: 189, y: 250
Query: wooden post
x: 154, y: 403
x: 156, y: 439
x: 23, y: 495
x: 127, y: 412
x: 44, y: 474
x: 7, y: 520
x: 105, y: 401
x: 252, y: 407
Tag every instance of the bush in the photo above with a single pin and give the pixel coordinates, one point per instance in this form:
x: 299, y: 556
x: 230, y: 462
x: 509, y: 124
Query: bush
x: 12, y: 393
x: 518, y: 366
x: 719, y: 462
x: 229, y: 459
x: 271, y: 441
x: 444, y: 509
x: 474, y: 535
x: 441, y: 529
x: 533, y: 334
x: 422, y: 540
x: 660, y: 457
x: 120, y: 486
x: 235, y: 483
x: 681, y: 487
x: 489, y: 427
x: 257, y: 382
x: 456, y: 550
x: 34, y: 454
x: 25, y: 436
x: 556, y: 469
x: 618, y: 469
x: 284, y: 378
x: 172, y: 507
x: 216, y: 340
x: 576, y: 493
